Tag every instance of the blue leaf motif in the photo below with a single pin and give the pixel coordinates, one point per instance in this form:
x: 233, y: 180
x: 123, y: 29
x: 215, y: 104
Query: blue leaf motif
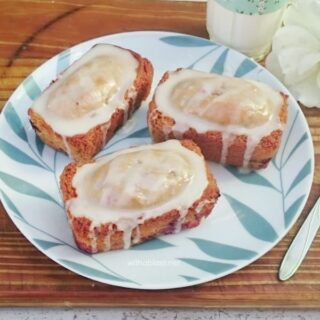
x: 188, y: 278
x: 142, y: 133
x: 223, y: 251
x: 14, y: 122
x: 304, y: 171
x: 208, y: 266
x: 218, y: 66
x: 154, y: 244
x: 46, y: 244
x: 252, y: 221
x: 252, y: 177
x: 16, y: 154
x: 292, y: 210
x: 63, y: 61
x: 286, y: 142
x: 303, y: 138
x: 245, y: 67
x: 85, y: 270
x: 31, y: 87
x: 24, y: 187
x: 186, y: 41
x: 39, y: 145
x: 274, y: 162
x: 11, y: 205
x: 191, y: 66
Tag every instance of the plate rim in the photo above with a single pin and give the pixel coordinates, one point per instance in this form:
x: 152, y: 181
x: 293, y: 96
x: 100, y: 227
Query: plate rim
x: 210, y: 277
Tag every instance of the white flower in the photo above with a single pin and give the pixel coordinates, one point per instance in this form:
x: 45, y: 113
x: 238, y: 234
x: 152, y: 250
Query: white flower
x: 295, y: 56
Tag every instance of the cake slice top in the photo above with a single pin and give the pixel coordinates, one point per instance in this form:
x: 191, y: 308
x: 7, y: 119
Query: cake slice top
x: 88, y: 92
x: 211, y: 102
x: 139, y: 183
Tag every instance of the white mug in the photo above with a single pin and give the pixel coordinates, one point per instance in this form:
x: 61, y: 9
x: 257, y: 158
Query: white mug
x: 245, y: 25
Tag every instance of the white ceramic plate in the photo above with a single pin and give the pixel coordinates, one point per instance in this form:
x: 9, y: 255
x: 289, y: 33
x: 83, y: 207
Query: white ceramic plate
x: 254, y: 212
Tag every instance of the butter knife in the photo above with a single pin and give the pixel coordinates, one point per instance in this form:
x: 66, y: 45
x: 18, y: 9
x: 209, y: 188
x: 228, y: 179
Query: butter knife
x: 301, y: 244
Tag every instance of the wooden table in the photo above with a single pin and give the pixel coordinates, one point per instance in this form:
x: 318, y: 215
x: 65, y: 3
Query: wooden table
x: 31, y: 31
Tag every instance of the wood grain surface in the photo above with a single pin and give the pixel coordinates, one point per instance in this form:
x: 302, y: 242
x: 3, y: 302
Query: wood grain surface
x: 33, y: 31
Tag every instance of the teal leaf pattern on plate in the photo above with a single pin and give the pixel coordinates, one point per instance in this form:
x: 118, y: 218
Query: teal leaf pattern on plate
x: 208, y: 266
x: 251, y: 177
x: 252, y: 221
x: 218, y: 66
x: 189, y: 278
x: 89, y: 271
x: 192, y: 65
x: 142, y: 133
x: 245, y: 67
x: 63, y: 61
x: 223, y: 251
x: 285, y: 143
x: 303, y: 138
x: 14, y: 122
x: 305, y: 170
x: 31, y: 87
x: 39, y: 145
x: 292, y: 210
x: 154, y: 244
x: 16, y: 154
x: 24, y: 187
x: 186, y: 41
x: 45, y: 245
x: 11, y: 205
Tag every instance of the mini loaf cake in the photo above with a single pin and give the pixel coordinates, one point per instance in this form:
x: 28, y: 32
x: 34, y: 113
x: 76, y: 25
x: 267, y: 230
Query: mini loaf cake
x: 80, y: 111
x: 137, y: 194
x: 234, y: 121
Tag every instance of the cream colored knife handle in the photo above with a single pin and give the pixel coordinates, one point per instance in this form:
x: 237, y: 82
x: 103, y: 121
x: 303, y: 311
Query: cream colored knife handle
x: 301, y: 244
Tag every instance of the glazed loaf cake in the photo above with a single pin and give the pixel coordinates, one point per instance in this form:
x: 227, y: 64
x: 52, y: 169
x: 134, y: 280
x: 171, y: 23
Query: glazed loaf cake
x: 80, y: 111
x: 234, y: 121
x: 137, y: 194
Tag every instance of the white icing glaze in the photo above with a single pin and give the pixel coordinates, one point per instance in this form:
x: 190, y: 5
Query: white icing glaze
x: 180, y: 221
x: 209, y: 102
x: 184, y: 212
x: 105, y: 129
x: 126, y: 225
x: 252, y: 141
x: 137, y: 236
x: 89, y: 91
x: 173, y: 157
x: 227, y: 139
x: 178, y: 225
x: 93, y: 239
x: 202, y: 204
x: 136, y: 180
x: 66, y: 145
x: 107, y: 242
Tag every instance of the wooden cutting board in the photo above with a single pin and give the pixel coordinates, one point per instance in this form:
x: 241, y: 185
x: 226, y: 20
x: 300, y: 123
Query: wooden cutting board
x: 33, y: 31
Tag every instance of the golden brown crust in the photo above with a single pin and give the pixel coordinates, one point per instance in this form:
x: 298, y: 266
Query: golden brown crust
x: 82, y: 147
x: 210, y: 142
x: 164, y: 224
